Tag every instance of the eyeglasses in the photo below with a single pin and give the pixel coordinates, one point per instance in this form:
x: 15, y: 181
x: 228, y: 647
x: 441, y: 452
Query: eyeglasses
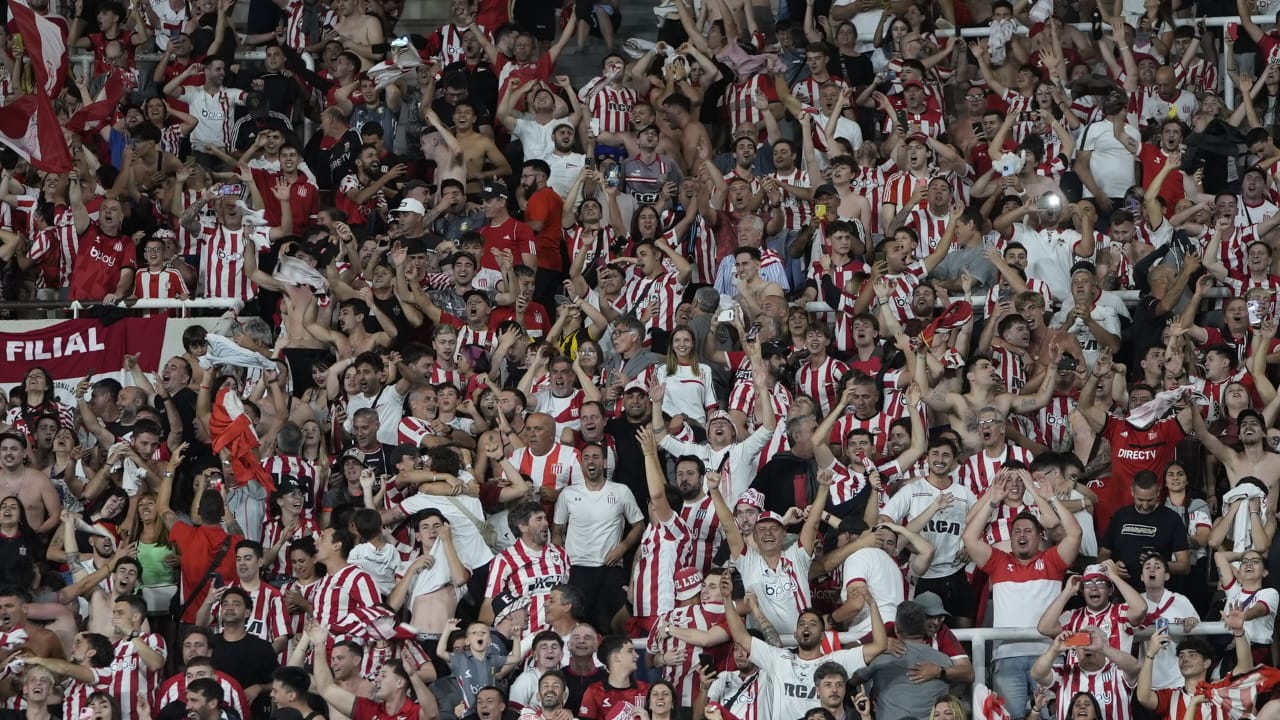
x: 975, y: 97
x: 1096, y: 584
x: 990, y: 421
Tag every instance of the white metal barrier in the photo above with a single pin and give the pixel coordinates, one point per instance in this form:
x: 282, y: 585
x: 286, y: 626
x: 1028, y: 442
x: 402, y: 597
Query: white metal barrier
x: 78, y: 307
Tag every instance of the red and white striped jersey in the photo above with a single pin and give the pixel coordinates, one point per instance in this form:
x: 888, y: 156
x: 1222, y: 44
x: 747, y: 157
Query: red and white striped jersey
x: 175, y: 690
x: 1112, y: 621
x: 809, y: 91
x: 1200, y: 77
x: 449, y: 40
x: 740, y: 100
x: 76, y: 695
x: 1013, y: 371
x: 564, y: 410
x: 1242, y: 283
x: 560, y: 467
x: 267, y: 619
x: 795, y: 212
x: 979, y: 470
x: 130, y: 678
x: 347, y: 602
x: 872, y: 184
x: 295, y: 34
x: 1000, y: 528
x: 412, y: 430
x: 685, y: 675
x: 188, y: 243
x: 273, y: 531
x: 486, y: 338
x: 68, y: 240
x: 743, y: 397
x: 878, y: 425
x: 612, y: 107
x: 1171, y: 704
x: 898, y: 189
x: 931, y: 122
x: 530, y: 573
x: 821, y: 382
x: 439, y: 375
x: 596, y: 240
x: 929, y: 227
x: 165, y: 284
x: 1020, y: 107
x: 704, y: 532
x: 664, y: 548
x: 665, y: 290
x: 1051, y: 422
x: 307, y: 475
x: 311, y: 592
x: 222, y: 251
x: 1033, y: 284
x: 902, y: 287
x: 1109, y: 686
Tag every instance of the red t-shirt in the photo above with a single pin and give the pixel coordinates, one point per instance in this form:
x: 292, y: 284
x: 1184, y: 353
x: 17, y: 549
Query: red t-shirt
x: 602, y: 701
x: 1153, y: 160
x: 547, y: 206
x: 511, y: 235
x: 199, y: 546
x: 536, y: 320
x: 366, y: 709
x: 1134, y: 450
x: 99, y: 263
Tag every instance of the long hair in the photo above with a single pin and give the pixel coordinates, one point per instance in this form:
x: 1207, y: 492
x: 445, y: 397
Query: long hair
x: 673, y: 362
x: 957, y: 707
x: 162, y: 532
x: 1097, y: 710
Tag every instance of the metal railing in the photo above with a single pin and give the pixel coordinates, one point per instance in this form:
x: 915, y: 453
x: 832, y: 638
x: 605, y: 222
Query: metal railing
x: 76, y: 307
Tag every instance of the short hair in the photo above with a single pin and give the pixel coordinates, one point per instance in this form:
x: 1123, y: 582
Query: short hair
x: 829, y: 668
x: 240, y: 593
x: 255, y: 546
x: 1146, y: 480
x: 910, y: 619
x: 546, y: 635
x: 610, y: 645
x: 521, y: 515
x: 294, y: 679
x: 746, y: 250
x: 539, y: 166
x: 135, y: 603
x: 679, y: 100
x: 103, y: 651
x: 697, y: 461
x: 346, y: 541
x: 571, y: 596
x: 207, y: 688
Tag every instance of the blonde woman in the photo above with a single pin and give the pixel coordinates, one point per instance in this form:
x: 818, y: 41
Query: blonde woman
x: 687, y: 390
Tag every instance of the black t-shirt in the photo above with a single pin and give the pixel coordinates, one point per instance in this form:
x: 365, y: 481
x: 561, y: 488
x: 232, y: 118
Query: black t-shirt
x: 629, y: 468
x: 577, y: 684
x: 250, y: 661
x: 1132, y: 533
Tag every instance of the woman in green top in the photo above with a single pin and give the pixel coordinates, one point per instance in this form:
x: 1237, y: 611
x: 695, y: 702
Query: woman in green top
x: 159, y: 557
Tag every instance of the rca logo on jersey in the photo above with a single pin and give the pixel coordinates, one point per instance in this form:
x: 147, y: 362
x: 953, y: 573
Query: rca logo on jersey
x: 942, y: 527
x: 804, y: 692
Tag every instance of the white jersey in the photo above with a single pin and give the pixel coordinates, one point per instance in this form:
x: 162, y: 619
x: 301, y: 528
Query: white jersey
x: 1174, y: 607
x: 792, y: 691
x: 595, y: 520
x: 884, y: 580
x: 783, y: 591
x: 1260, y: 629
x: 944, y: 528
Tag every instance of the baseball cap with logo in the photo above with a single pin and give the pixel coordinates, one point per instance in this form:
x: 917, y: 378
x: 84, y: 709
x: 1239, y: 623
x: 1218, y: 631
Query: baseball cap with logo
x: 770, y: 516
x: 752, y: 498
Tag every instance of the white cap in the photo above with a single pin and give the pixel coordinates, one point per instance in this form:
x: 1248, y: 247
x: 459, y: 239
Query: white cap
x: 412, y: 205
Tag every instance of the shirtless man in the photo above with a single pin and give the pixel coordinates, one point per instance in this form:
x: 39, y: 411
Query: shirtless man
x: 477, y: 150
x: 360, y: 33
x: 1255, y: 457
x: 33, y: 488
x: 351, y: 339
x: 677, y: 110
x: 984, y: 391
x: 853, y: 206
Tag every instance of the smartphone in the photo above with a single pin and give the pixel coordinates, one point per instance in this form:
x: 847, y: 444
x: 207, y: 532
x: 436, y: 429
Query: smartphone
x: 1078, y: 640
x: 753, y: 332
x: 739, y: 591
x: 725, y: 315
x: 1162, y: 624
x: 231, y: 191
x: 1255, y: 313
x: 217, y: 580
x: 867, y: 464
x: 215, y: 482
x: 902, y: 119
x: 820, y: 211
x: 613, y: 176
x: 706, y: 661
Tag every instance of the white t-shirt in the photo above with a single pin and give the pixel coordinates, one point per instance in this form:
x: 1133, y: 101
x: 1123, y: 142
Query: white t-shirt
x: 595, y: 520
x: 564, y: 170
x: 845, y: 128
x: 1050, y: 254
x: 535, y: 137
x: 214, y: 115
x: 782, y: 591
x: 471, y: 547
x: 884, y: 580
x: 1259, y: 630
x: 689, y: 391
x: 792, y: 691
x: 390, y: 412
x: 383, y: 564
x: 1174, y: 607
x: 944, y: 529
x: 1111, y: 163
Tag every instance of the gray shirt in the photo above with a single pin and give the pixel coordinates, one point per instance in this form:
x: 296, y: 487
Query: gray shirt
x: 897, y: 698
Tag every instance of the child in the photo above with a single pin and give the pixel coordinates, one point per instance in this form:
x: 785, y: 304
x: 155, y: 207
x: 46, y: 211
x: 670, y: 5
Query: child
x: 157, y: 281
x: 374, y: 554
x: 480, y: 662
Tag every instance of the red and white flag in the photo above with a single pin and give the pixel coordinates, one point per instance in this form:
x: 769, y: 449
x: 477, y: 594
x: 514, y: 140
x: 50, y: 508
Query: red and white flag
x: 232, y: 429
x: 93, y: 117
x: 988, y: 705
x: 44, y: 44
x: 30, y: 126
x: 1237, y: 695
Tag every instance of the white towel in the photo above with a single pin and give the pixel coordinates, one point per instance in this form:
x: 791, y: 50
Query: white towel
x: 1001, y: 33
x: 224, y: 351
x: 1145, y: 415
x: 292, y: 271
x: 1241, y: 537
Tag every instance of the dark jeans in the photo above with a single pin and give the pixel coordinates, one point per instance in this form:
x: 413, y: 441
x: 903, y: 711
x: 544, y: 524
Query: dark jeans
x: 602, y: 592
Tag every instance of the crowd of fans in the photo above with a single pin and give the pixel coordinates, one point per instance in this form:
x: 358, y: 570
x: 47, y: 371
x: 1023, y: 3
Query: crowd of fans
x: 631, y: 398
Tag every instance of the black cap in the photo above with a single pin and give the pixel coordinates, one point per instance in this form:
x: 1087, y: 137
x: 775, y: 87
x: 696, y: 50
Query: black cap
x: 507, y: 602
x: 413, y: 246
x: 649, y: 127
x: 1083, y: 266
x: 826, y: 189
x: 772, y: 348
x: 494, y: 190
x: 288, y: 484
